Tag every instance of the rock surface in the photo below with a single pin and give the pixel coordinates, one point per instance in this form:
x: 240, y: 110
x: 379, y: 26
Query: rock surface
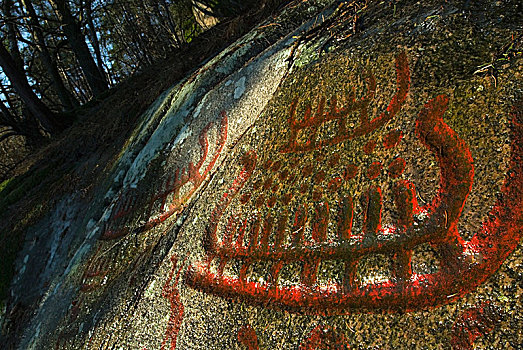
x: 347, y: 175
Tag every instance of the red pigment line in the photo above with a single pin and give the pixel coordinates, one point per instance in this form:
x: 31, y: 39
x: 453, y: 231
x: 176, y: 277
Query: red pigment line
x: 245, y: 198
x: 259, y: 201
x: 372, y: 218
x: 275, y: 272
x: 241, y: 234
x: 334, y: 160
x: 298, y: 227
x: 248, y: 338
x: 397, y: 167
x: 249, y: 163
x: 368, y: 148
x: 319, y: 177
x: 191, y: 174
x: 280, y: 229
x: 456, y: 164
x: 115, y: 227
x: 276, y: 166
x: 266, y: 232
x: 254, y: 234
x: 350, y: 172
x: 221, y: 266
x: 335, y: 184
x: 94, y: 268
x: 498, y: 237
x: 267, y: 184
x: 271, y: 202
x: 325, y: 338
x: 111, y: 234
x: 374, y: 170
x: 392, y: 139
x: 320, y: 222
x: 406, y: 203
x: 345, y: 218
x: 242, y: 277
x: 349, y: 275
x: 402, y: 265
x: 366, y: 126
x: 474, y: 323
x: 170, y: 291
x: 229, y: 231
x: 309, y: 272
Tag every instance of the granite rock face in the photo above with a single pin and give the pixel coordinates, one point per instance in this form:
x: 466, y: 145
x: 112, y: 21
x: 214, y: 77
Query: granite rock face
x: 347, y: 175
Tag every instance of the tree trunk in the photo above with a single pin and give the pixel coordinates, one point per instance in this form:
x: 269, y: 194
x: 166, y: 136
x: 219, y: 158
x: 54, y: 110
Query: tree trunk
x: 76, y: 40
x: 93, y: 38
x: 12, y: 35
x: 172, y: 25
x: 67, y: 100
x: 40, y: 111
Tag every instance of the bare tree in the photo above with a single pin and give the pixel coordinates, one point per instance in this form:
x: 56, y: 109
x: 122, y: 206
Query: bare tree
x: 46, y: 118
x: 76, y: 40
x: 67, y: 100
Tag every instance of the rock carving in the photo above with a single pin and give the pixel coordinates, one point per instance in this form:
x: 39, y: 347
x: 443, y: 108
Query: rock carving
x: 276, y: 239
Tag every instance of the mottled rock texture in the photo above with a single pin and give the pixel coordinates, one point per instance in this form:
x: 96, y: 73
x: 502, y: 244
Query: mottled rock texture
x: 347, y: 175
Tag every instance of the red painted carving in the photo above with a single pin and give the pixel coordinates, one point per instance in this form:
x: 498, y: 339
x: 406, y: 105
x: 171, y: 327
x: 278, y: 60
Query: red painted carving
x: 248, y: 338
x: 320, y: 338
x: 396, y: 167
x: 374, y: 170
x: 325, y: 338
x: 158, y: 210
x: 95, y: 270
x: 350, y: 172
x: 474, y: 323
x: 119, y: 224
x: 299, y: 233
x: 392, y: 139
x: 311, y: 123
x: 170, y: 291
x: 369, y: 147
x: 193, y: 174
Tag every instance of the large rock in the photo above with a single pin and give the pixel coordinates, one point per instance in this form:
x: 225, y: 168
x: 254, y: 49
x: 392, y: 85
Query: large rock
x: 347, y: 175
